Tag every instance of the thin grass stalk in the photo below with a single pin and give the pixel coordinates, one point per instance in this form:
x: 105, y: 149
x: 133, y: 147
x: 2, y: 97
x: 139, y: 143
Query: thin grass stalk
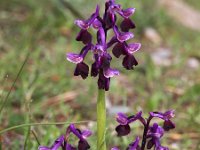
x: 28, y: 117
x: 2, y: 84
x: 39, y: 124
x: 35, y: 136
x: 18, y: 74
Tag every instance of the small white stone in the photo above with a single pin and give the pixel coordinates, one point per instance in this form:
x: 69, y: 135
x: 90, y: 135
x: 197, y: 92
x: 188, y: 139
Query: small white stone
x: 193, y: 63
x: 152, y: 35
x: 162, y: 57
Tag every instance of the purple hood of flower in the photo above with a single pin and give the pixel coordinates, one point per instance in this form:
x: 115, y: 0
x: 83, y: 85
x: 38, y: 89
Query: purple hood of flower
x: 101, y: 66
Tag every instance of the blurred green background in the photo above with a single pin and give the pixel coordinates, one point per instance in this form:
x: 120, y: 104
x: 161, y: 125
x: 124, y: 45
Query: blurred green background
x: 167, y: 77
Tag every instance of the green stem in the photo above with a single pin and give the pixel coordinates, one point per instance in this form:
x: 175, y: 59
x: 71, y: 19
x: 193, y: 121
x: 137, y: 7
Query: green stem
x: 101, y: 121
x: 27, y: 137
x: 28, y: 116
x: 38, y: 124
x: 13, y: 84
x: 34, y: 134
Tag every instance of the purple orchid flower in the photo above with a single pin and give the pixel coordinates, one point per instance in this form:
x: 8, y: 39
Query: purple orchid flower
x: 151, y: 135
x: 155, y: 134
x: 81, y: 135
x: 62, y: 142
x: 101, y: 66
x: 123, y: 128
x: 168, y: 124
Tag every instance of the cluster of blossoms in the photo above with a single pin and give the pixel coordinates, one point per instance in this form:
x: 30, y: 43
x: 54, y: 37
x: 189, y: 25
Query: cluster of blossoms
x: 102, y: 58
x: 151, y: 135
x: 62, y: 141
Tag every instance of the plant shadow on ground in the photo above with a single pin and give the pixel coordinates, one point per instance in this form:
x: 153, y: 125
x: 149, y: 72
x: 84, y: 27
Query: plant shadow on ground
x: 46, y: 91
